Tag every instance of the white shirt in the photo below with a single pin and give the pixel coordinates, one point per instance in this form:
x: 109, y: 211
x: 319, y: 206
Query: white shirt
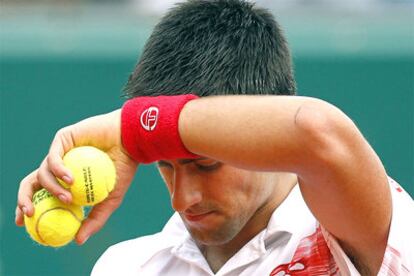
x: 292, y: 244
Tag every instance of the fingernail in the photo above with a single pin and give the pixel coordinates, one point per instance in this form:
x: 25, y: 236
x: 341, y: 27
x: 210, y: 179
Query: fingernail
x: 24, y: 209
x: 87, y: 237
x: 63, y: 198
x: 66, y: 179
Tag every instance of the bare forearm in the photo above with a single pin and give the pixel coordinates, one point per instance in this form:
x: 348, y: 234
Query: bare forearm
x: 254, y: 132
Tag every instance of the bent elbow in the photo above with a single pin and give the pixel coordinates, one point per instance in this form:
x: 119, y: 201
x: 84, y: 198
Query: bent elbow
x: 326, y: 131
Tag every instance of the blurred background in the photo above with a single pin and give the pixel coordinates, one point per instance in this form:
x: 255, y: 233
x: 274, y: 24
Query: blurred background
x: 62, y: 61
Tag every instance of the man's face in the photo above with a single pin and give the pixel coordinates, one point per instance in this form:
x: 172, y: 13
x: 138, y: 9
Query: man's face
x: 216, y: 201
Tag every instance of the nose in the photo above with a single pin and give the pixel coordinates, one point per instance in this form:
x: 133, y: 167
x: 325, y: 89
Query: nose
x: 185, y: 192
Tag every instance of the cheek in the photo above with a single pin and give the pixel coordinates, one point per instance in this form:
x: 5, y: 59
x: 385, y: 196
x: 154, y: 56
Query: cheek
x: 235, y: 192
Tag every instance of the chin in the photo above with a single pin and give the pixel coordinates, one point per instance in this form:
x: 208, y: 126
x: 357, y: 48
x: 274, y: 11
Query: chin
x: 212, y: 238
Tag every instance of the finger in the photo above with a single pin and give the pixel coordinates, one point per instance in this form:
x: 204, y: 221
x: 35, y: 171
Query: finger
x: 61, y: 144
x: 95, y: 220
x: 19, y: 220
x: 50, y: 183
x: 58, y: 169
x: 25, y: 194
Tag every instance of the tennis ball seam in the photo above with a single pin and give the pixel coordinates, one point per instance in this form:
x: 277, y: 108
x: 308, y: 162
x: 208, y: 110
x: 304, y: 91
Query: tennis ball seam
x: 40, y: 217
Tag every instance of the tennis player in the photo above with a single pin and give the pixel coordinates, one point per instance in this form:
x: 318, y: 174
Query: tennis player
x: 263, y: 182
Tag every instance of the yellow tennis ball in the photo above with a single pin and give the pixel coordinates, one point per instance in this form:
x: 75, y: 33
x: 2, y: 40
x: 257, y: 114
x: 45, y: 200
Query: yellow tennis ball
x: 93, y: 172
x: 53, y: 223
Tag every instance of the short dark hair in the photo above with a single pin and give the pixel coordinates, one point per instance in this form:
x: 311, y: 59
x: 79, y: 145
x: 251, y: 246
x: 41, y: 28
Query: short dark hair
x: 214, y: 47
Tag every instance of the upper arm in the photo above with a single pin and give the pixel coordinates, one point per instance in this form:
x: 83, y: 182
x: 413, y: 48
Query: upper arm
x: 344, y: 183
x: 341, y: 178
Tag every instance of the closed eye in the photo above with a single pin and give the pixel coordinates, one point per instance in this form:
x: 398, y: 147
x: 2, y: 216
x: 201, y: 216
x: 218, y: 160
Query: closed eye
x: 162, y: 163
x: 208, y: 167
x: 204, y: 164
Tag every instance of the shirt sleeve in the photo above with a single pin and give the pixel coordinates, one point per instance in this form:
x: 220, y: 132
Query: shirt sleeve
x: 114, y: 261
x: 399, y: 254
x: 126, y: 258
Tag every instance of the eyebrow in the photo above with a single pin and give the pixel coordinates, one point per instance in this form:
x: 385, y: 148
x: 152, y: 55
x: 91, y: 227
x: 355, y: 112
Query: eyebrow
x: 182, y: 161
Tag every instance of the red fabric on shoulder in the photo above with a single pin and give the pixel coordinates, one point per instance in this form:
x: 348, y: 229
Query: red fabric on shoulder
x: 149, y: 128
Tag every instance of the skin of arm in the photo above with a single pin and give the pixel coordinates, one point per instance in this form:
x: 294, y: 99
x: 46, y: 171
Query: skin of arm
x: 341, y: 178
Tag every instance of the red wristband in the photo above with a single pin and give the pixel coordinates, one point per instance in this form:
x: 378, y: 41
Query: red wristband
x: 149, y: 128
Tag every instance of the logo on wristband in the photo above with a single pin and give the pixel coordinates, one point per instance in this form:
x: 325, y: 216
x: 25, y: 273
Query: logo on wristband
x: 149, y: 118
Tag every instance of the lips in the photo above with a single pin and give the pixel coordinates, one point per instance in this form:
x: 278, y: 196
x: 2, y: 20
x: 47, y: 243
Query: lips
x: 196, y: 217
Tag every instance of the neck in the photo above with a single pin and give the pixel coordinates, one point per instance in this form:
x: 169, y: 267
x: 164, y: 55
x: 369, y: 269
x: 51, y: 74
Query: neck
x: 218, y: 255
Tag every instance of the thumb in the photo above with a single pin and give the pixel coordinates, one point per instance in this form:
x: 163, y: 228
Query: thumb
x: 96, y: 219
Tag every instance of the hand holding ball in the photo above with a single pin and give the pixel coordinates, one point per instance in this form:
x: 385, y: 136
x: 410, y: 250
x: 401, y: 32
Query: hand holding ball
x: 93, y: 172
x: 54, y: 223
